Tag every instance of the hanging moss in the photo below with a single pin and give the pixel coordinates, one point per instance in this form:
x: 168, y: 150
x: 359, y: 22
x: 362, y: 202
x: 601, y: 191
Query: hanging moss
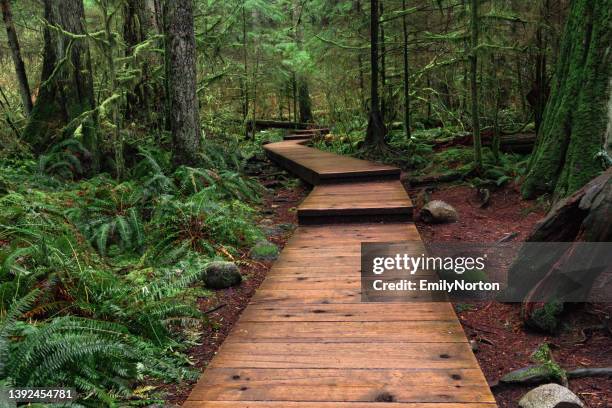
x: 575, y: 118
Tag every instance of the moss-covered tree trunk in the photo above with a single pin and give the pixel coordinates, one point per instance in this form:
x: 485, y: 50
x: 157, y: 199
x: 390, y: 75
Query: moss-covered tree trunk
x: 13, y: 42
x: 136, y: 27
x: 473, y: 57
x: 66, y: 89
x: 375, y: 133
x: 181, y: 77
x: 303, y: 92
x: 575, y: 118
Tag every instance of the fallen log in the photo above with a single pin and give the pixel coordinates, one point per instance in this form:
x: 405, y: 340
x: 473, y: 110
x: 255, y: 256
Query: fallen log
x: 260, y: 124
x: 514, y: 143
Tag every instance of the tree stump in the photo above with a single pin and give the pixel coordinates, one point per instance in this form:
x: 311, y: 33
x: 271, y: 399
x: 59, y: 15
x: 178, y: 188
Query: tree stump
x: 539, y: 278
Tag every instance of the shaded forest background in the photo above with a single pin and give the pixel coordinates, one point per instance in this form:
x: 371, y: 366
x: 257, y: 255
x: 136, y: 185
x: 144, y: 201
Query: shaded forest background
x: 127, y: 126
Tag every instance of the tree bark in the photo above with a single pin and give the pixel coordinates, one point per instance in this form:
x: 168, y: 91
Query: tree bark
x: 181, y: 76
x: 406, y: 76
x: 383, y: 67
x: 245, y: 55
x: 13, y: 42
x: 137, y: 23
x: 66, y: 89
x: 303, y: 93
x: 473, y: 57
x: 542, y: 277
x: 305, y: 103
x: 575, y: 118
x: 375, y: 133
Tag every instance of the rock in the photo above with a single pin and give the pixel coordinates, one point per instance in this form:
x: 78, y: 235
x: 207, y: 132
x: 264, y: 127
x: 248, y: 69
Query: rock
x: 271, y: 230
x: 277, y: 229
x: 287, y: 227
x: 221, y: 275
x: 264, y: 251
x: 438, y: 211
x: 550, y: 396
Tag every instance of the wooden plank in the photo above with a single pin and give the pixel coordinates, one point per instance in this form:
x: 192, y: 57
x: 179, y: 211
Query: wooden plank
x: 345, y: 355
x: 342, y: 385
x: 320, y: 404
x: 361, y: 312
x: 348, y: 332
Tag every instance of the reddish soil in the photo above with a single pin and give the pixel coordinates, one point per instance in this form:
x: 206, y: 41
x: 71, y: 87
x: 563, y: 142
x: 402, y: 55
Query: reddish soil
x: 278, y: 208
x: 503, y: 343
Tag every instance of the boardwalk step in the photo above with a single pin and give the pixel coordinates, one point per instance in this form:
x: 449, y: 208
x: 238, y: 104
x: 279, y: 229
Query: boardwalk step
x: 318, y: 167
x: 372, y: 201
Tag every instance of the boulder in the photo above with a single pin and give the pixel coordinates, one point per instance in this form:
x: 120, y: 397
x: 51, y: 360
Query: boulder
x: 221, y: 275
x: 550, y: 396
x: 264, y: 251
x: 438, y: 211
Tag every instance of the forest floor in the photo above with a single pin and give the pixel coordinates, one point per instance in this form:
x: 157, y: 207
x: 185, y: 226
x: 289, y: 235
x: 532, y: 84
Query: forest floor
x: 278, y: 211
x: 503, y: 342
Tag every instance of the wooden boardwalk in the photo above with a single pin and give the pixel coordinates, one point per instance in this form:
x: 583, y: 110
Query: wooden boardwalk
x: 306, y: 341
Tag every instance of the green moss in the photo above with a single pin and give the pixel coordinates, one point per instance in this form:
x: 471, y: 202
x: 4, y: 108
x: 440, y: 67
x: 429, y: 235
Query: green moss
x: 544, y: 356
x: 546, y: 318
x: 575, y: 115
x: 264, y: 251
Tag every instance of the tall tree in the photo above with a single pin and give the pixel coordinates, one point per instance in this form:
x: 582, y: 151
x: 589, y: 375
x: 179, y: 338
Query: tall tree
x: 66, y: 89
x: 184, y: 117
x: 406, y: 72
x: 375, y: 133
x: 303, y: 92
x: 573, y: 131
x: 137, y: 23
x: 13, y: 42
x: 473, y: 57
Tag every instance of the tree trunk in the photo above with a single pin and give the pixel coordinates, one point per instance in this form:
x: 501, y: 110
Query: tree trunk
x: 545, y: 279
x: 575, y: 117
x: 383, y: 67
x: 375, y: 134
x: 245, y: 55
x: 137, y: 22
x: 13, y: 42
x: 406, y: 77
x: 474, y: 24
x: 66, y: 89
x: 181, y: 76
x: 303, y: 94
x: 304, y: 102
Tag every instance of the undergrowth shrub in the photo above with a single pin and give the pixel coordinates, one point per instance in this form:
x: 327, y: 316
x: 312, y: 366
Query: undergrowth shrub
x: 98, y: 277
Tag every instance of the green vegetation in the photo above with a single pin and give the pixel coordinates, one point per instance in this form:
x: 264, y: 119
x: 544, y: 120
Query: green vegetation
x: 126, y: 127
x: 107, y: 272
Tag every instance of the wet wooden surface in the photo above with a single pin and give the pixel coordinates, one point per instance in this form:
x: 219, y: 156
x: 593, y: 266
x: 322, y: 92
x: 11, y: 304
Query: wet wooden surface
x: 306, y: 340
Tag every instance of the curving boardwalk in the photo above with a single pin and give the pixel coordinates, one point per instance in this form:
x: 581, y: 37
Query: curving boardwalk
x: 306, y: 341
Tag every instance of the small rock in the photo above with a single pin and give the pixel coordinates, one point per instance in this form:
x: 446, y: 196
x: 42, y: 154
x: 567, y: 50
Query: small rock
x: 438, y: 211
x: 264, y: 251
x: 550, y: 396
x: 271, y: 230
x: 474, y: 346
x: 287, y: 227
x: 221, y: 275
x: 267, y: 221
